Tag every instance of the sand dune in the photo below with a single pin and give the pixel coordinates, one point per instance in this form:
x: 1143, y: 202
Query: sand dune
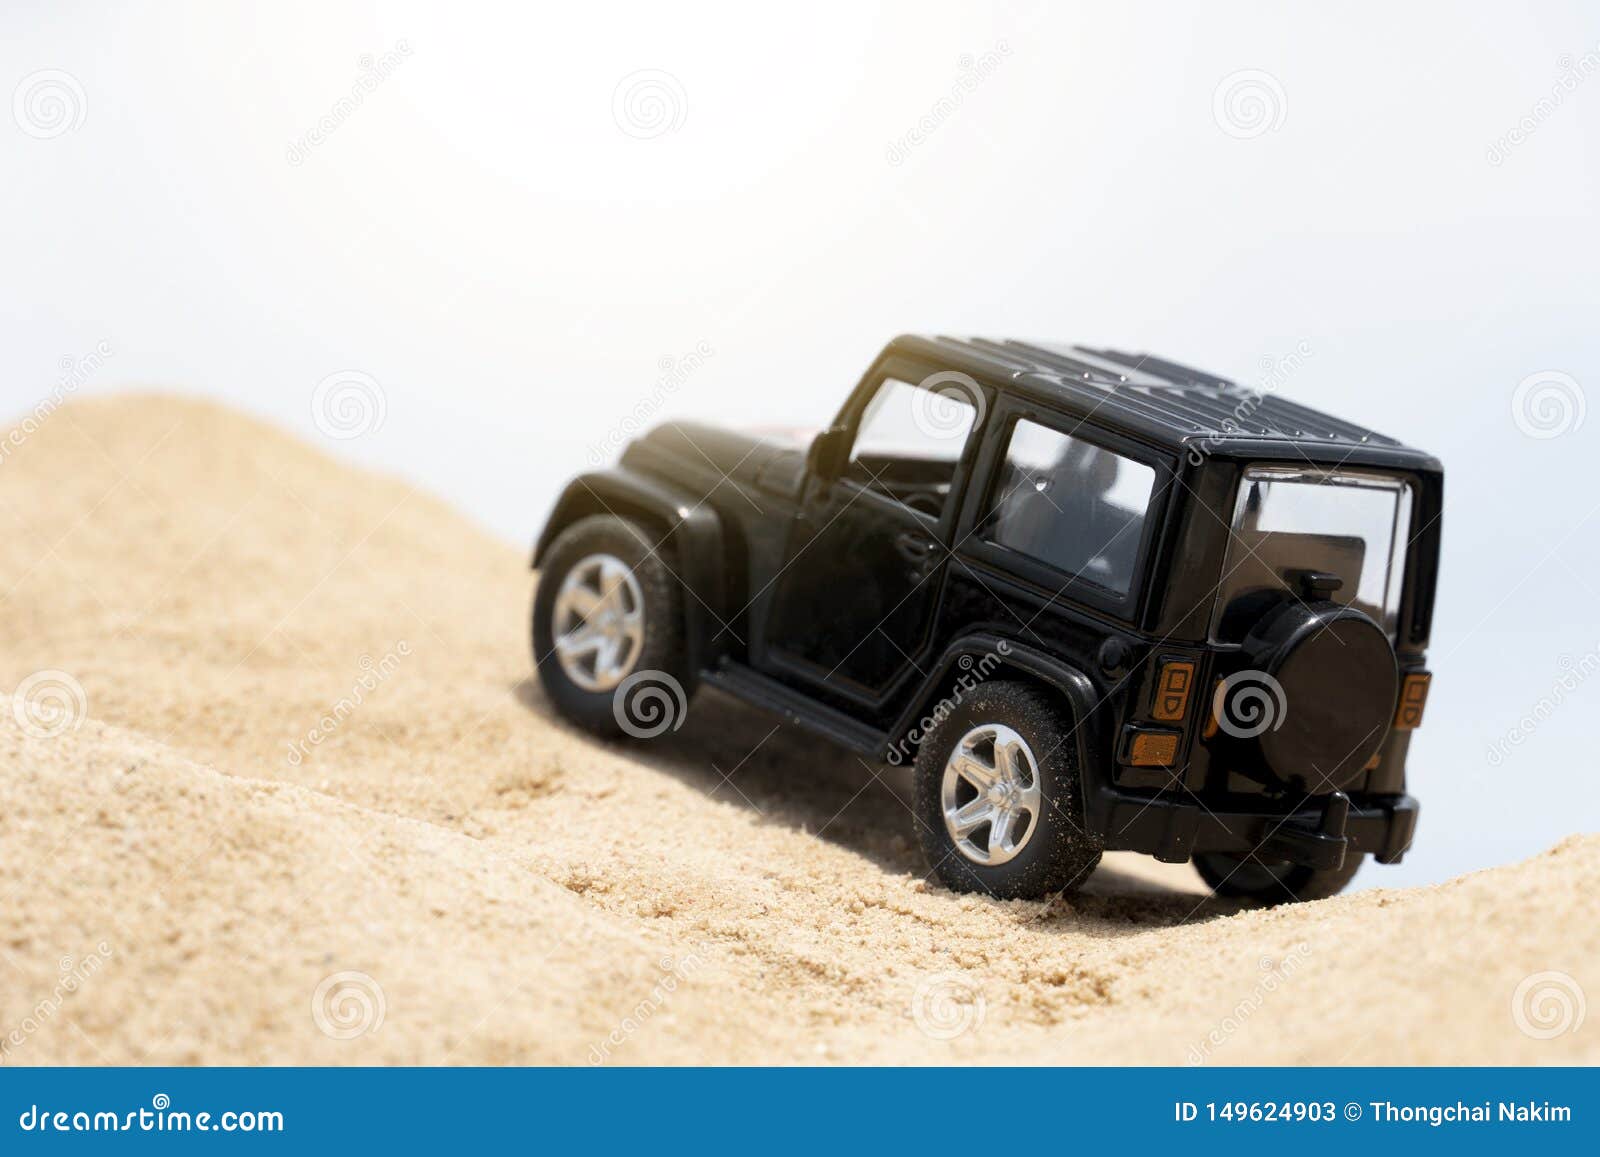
x: 309, y: 780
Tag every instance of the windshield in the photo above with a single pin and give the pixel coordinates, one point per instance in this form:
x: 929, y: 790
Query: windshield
x: 1288, y: 520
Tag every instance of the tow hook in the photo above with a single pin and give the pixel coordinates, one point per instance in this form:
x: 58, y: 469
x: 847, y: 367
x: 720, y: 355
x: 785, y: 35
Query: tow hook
x: 1322, y: 847
x: 1334, y: 814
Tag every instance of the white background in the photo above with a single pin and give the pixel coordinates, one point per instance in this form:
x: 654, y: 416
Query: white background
x: 511, y: 256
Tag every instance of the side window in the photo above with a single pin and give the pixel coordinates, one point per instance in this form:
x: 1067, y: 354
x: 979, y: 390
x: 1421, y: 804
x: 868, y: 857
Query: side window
x: 1072, y: 504
x: 909, y: 440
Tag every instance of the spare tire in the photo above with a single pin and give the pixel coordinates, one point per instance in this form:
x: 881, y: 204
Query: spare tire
x: 1331, y: 680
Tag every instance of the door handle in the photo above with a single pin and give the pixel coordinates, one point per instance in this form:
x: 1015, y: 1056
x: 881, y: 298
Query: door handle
x: 914, y: 546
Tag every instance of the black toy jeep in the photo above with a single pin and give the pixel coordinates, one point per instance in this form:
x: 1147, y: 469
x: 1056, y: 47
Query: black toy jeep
x: 1102, y: 601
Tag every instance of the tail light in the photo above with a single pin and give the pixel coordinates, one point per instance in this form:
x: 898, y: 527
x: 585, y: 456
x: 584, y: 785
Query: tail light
x: 1210, y: 729
x: 1413, y: 698
x: 1172, y: 691
x: 1153, y: 748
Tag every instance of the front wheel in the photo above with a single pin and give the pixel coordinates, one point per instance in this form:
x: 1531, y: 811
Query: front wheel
x: 998, y: 801
x: 608, y: 636
x: 1273, y: 883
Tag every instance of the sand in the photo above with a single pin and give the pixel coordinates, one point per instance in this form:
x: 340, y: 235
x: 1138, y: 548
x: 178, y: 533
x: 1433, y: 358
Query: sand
x: 208, y: 858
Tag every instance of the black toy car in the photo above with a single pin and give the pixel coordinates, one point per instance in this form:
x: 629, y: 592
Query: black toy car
x: 1102, y: 601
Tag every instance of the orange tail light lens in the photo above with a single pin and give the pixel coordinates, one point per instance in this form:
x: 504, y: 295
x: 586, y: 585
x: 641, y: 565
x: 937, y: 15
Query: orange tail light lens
x: 1153, y: 749
x: 1413, y: 698
x: 1211, y: 727
x: 1172, y: 691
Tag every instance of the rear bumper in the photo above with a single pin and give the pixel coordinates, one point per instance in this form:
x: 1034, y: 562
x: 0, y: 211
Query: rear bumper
x: 1318, y: 835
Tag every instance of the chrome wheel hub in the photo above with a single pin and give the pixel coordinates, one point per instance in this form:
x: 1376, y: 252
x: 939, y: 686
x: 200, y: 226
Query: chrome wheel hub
x: 990, y: 794
x: 598, y: 622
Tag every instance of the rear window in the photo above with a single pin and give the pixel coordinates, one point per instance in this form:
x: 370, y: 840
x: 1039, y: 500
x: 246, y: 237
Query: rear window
x: 1071, y: 504
x: 1286, y: 519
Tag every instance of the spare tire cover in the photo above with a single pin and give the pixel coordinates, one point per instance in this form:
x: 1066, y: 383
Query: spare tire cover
x: 1336, y: 682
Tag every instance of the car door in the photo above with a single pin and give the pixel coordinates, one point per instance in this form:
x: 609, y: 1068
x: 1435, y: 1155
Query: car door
x: 854, y: 603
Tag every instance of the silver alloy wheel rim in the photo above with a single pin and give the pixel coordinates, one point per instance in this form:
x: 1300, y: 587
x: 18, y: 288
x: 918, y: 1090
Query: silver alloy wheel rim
x: 991, y: 790
x: 598, y: 622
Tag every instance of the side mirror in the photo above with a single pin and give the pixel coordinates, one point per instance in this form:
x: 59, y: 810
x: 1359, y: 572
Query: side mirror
x: 825, y: 459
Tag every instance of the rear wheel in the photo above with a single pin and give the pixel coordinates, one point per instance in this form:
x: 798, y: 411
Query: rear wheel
x: 998, y: 802
x: 608, y: 630
x: 1243, y: 878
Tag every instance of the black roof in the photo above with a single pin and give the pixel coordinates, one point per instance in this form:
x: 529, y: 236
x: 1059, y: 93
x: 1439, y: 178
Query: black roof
x: 1165, y: 401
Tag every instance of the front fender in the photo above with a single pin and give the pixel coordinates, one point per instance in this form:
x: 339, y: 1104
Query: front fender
x: 692, y: 528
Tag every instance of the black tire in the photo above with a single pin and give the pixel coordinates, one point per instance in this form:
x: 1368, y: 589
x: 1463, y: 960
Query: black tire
x: 1279, y: 883
x: 1058, y: 854
x: 658, y: 684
